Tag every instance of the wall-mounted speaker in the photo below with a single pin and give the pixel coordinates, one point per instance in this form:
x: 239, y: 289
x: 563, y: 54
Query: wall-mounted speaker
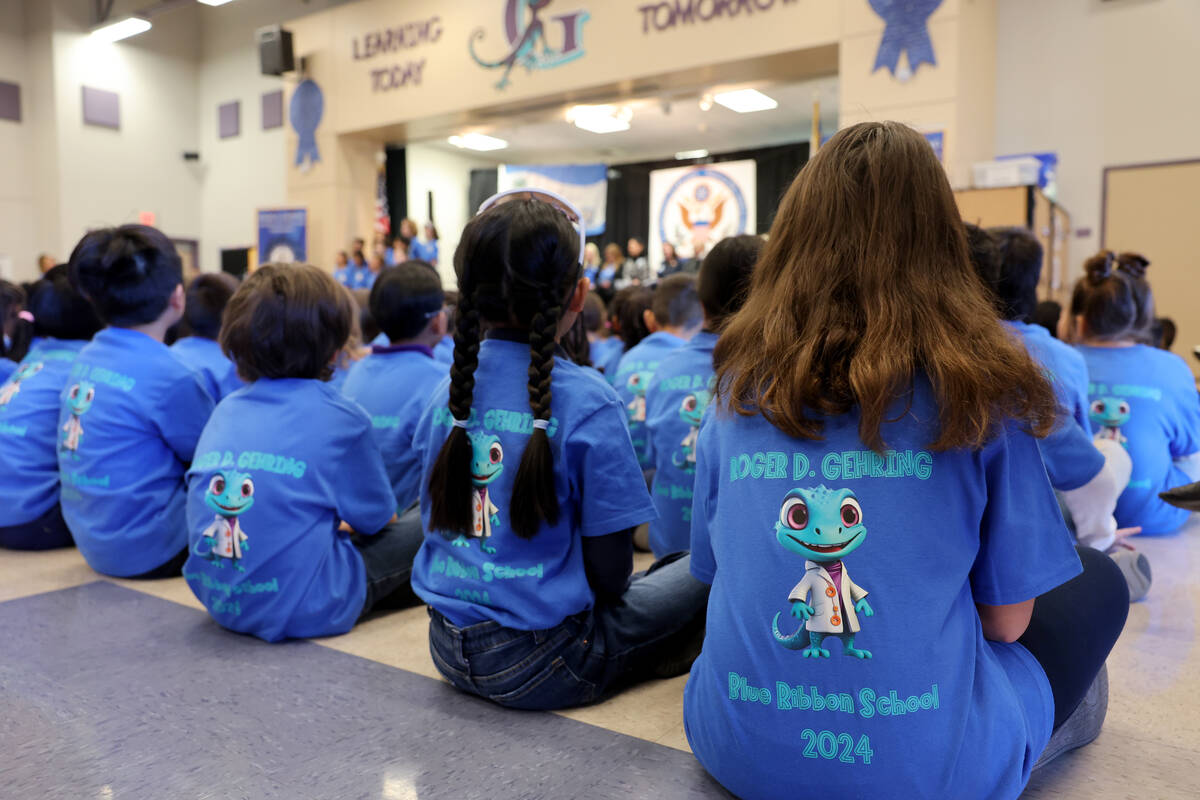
x: 275, y: 54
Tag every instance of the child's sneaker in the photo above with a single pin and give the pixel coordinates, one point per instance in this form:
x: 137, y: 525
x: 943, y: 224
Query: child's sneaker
x: 1136, y: 569
x: 1084, y: 724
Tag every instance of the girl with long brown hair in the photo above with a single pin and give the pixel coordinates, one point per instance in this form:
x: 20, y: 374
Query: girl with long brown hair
x: 868, y: 386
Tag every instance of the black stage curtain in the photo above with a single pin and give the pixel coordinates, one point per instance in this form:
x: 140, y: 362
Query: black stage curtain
x: 396, y: 183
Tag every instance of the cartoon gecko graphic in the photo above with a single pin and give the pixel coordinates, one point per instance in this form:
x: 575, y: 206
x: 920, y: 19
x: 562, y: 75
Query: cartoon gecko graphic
x: 79, y: 400
x: 691, y: 411
x: 637, y: 383
x: 230, y: 494
x: 824, y: 526
x: 522, y: 51
x: 486, y: 466
x: 1110, y: 413
x: 9, y: 390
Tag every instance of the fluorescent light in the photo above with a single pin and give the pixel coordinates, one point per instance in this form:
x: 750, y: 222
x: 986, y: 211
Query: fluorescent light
x: 214, y: 2
x: 745, y: 101
x: 601, y: 119
x: 122, y: 29
x: 477, y: 141
x: 687, y: 155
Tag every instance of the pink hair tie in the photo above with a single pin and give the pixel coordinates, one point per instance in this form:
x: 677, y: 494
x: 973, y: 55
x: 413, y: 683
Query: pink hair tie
x: 25, y: 315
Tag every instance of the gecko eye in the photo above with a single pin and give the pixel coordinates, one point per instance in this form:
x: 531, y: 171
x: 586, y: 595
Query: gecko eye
x: 91, y: 395
x: 794, y: 513
x: 689, y: 403
x: 74, y: 393
x: 851, y: 512
x: 634, y: 380
x: 496, y: 453
x: 1123, y: 408
x: 1097, y: 406
x: 247, y: 488
x: 217, y: 485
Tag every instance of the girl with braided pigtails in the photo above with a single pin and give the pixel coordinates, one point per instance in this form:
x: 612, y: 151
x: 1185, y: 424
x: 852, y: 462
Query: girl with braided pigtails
x: 532, y: 489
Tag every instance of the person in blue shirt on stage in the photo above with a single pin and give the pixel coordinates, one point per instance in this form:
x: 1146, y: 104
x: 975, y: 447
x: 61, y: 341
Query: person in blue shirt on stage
x: 198, y: 348
x: 675, y: 316
x: 1088, y: 476
x: 873, y: 515
x: 395, y: 383
x: 425, y: 249
x: 531, y: 488
x: 63, y: 323
x: 681, y: 390
x: 292, y: 529
x: 1142, y: 399
x: 341, y: 271
x: 131, y: 411
x: 354, y: 274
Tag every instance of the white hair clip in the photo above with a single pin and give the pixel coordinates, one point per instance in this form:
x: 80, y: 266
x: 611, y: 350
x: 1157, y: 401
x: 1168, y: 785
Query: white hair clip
x: 460, y: 423
x: 541, y: 424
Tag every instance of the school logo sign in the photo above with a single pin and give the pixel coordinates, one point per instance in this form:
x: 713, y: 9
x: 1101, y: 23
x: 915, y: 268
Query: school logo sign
x: 535, y: 38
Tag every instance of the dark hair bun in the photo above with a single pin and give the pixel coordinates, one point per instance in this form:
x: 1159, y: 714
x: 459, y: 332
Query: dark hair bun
x: 1133, y: 264
x: 1099, y: 267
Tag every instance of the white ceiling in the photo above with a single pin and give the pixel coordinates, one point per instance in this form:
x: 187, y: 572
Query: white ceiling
x: 660, y: 128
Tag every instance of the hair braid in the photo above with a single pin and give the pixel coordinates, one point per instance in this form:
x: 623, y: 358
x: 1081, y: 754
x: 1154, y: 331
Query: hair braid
x: 450, y: 479
x: 534, y: 497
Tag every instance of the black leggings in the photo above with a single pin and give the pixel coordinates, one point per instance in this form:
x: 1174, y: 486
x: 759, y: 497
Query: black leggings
x: 1075, y: 626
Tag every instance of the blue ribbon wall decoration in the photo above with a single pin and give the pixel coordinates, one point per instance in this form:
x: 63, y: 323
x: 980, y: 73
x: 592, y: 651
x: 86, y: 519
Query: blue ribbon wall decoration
x: 905, y: 29
x: 305, y: 111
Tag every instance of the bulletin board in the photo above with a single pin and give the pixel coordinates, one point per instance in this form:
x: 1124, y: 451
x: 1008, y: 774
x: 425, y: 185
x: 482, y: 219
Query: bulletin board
x: 1153, y: 209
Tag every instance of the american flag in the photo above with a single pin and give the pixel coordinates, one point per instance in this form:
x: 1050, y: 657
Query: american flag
x: 383, y: 217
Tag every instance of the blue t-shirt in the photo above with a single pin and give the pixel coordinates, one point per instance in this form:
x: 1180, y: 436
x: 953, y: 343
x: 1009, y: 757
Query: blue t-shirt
x: 205, y: 358
x: 443, y: 351
x: 908, y: 543
x: 633, y: 375
x: 7, y: 367
x: 1145, y: 398
x: 527, y: 584
x: 393, y: 385
x: 613, y: 362
x: 129, y: 418
x: 354, y: 277
x: 1070, y: 457
x: 29, y: 430
x: 422, y: 250
x: 280, y: 464
x: 675, y: 405
x: 602, y: 350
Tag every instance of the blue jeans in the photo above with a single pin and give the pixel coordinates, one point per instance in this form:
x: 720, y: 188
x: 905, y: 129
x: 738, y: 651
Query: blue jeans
x: 44, y: 533
x: 654, y: 630
x: 388, y: 559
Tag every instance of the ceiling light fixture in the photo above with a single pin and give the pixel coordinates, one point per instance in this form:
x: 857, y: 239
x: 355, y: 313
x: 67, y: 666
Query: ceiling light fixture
x: 213, y: 2
x: 746, y: 101
x: 688, y: 155
x: 601, y: 119
x: 706, y: 102
x: 477, y: 141
x: 122, y: 29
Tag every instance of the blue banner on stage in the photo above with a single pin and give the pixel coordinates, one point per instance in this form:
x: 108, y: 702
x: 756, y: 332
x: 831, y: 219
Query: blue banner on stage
x: 905, y: 30
x: 282, y: 235
x: 585, y: 185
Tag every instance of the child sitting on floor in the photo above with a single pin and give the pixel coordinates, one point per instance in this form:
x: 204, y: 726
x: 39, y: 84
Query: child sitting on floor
x: 281, y: 464
x: 131, y: 411
x: 872, y: 511
x: 681, y: 390
x: 63, y: 322
x: 396, y: 382
x: 198, y: 348
x: 532, y: 489
x: 674, y: 317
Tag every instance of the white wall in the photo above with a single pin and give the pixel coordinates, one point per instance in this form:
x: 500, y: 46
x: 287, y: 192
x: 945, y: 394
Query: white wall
x: 448, y: 176
x: 1100, y: 83
x: 18, y: 241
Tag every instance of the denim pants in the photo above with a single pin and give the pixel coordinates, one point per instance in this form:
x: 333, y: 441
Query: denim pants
x: 44, y: 533
x: 654, y: 630
x: 388, y: 559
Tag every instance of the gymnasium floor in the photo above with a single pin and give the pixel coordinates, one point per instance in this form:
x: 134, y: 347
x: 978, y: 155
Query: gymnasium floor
x: 112, y: 689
